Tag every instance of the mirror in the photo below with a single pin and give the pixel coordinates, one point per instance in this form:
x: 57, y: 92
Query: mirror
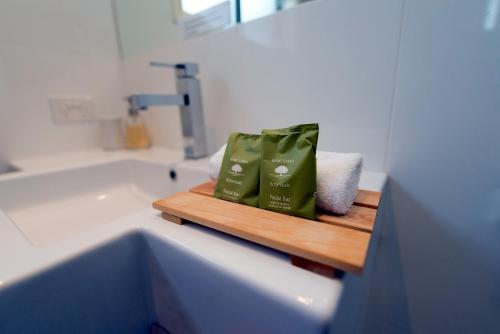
x: 148, y: 24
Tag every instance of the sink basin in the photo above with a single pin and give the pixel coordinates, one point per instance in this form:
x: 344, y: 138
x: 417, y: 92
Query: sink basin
x: 101, y: 260
x: 48, y: 207
x: 132, y: 282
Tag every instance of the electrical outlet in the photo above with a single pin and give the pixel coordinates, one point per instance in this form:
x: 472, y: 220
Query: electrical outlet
x: 72, y: 109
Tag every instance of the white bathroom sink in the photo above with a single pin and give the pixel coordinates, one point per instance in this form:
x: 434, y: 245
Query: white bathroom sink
x: 130, y: 283
x: 48, y: 207
x: 110, y: 263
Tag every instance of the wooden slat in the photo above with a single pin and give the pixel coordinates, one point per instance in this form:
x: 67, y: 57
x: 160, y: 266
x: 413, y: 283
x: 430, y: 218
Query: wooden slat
x: 359, y: 217
x: 207, y: 189
x: 173, y: 219
x: 331, y: 245
x: 315, y: 267
x: 367, y: 198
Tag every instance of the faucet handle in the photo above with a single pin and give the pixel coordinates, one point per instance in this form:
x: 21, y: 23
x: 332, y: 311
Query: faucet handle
x: 181, y: 69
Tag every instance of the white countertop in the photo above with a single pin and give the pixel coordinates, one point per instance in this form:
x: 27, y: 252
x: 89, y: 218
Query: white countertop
x: 77, y: 159
x: 256, y: 265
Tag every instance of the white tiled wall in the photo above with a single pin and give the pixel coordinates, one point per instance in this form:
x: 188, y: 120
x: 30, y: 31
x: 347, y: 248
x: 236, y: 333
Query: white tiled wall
x: 312, y: 63
x: 330, y: 62
x: 439, y: 260
x: 54, y: 47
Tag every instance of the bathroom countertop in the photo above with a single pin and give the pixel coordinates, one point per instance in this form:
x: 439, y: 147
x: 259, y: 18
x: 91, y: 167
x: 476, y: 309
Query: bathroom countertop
x: 77, y: 159
x: 263, y: 268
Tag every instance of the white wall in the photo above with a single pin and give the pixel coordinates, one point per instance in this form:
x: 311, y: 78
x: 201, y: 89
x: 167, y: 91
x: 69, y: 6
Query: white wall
x: 54, y: 47
x: 438, y: 266
x: 331, y: 62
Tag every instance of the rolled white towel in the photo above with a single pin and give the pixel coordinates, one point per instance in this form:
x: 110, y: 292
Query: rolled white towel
x: 337, y: 178
x: 215, y: 163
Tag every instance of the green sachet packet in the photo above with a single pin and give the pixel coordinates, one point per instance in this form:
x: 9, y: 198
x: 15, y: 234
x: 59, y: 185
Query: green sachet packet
x: 288, y: 170
x: 238, y: 179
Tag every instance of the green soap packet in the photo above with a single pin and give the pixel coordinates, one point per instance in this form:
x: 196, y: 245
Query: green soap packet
x: 288, y: 170
x: 239, y: 174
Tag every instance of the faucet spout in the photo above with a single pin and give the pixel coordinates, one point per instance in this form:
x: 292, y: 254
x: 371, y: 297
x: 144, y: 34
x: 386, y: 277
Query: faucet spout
x: 188, y: 98
x: 144, y: 101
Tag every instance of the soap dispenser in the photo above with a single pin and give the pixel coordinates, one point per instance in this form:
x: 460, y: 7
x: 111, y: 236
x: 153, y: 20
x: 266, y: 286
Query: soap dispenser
x: 136, y: 135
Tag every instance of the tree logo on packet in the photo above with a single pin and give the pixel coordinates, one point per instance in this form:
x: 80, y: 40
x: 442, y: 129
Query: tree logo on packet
x: 237, y: 170
x: 281, y: 171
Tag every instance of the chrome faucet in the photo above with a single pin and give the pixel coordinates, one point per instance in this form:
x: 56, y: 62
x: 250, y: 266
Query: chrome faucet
x: 188, y: 98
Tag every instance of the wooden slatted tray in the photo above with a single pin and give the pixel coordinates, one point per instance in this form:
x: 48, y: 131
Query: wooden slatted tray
x: 339, y: 242
x: 360, y: 217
